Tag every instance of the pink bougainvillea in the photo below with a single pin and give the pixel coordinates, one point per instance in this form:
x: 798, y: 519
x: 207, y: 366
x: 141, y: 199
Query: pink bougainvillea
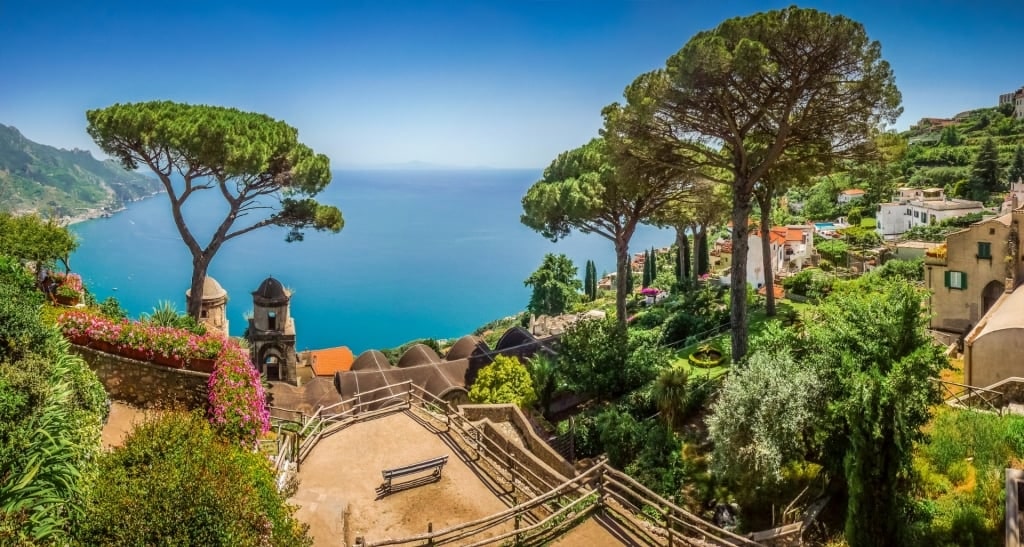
x: 170, y: 342
x: 237, y: 403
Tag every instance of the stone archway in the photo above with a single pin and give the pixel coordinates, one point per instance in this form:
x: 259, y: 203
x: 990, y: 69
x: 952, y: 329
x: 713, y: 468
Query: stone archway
x: 990, y: 294
x: 271, y: 359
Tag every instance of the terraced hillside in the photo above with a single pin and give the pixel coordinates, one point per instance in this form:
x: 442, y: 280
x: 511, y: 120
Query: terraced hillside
x: 38, y: 177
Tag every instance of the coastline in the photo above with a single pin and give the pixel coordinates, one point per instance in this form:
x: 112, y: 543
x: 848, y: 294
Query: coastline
x: 100, y: 212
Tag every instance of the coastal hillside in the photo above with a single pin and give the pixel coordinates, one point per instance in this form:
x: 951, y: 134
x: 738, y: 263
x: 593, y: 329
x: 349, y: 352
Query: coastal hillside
x: 942, y: 150
x: 36, y: 177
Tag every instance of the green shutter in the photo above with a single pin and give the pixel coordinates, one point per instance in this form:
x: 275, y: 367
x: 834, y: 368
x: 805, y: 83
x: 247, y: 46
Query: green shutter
x: 945, y: 276
x: 963, y: 280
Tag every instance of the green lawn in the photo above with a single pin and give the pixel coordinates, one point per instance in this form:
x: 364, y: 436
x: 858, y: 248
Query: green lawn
x: 758, y: 321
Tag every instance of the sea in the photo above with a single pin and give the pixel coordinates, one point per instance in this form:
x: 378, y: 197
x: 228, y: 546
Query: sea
x: 423, y: 254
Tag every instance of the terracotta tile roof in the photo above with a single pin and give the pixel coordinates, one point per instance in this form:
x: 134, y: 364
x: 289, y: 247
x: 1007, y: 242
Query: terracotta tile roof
x: 794, y: 234
x: 328, y: 361
x: 853, y: 192
x: 779, y: 291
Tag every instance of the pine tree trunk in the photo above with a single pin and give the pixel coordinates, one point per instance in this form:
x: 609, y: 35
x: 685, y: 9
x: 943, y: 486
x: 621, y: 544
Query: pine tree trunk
x: 738, y: 271
x: 623, y: 281
x: 764, y: 201
x: 195, y: 300
x: 683, y: 243
x: 700, y: 240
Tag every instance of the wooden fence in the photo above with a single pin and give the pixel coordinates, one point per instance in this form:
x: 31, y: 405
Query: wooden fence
x: 541, y: 510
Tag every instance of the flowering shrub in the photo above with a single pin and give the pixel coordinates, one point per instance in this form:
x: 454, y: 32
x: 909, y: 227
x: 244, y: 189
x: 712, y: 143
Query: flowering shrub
x: 169, y: 342
x: 237, y: 404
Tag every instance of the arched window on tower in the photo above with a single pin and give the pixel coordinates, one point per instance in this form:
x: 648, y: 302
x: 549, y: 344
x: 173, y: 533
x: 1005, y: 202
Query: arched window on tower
x: 271, y: 320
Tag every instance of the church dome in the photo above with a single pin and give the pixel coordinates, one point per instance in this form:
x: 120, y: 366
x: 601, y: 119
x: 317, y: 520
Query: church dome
x: 271, y: 292
x: 211, y: 290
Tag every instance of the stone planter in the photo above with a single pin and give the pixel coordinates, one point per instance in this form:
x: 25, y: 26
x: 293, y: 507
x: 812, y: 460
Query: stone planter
x: 66, y: 300
x: 201, y: 365
x: 172, y: 362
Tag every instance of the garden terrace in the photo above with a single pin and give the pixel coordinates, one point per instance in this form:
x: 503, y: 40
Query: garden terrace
x: 491, y: 491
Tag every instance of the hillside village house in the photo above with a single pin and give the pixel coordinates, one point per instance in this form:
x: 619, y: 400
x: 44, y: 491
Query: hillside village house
x: 853, y: 194
x: 975, y: 292
x: 1016, y: 98
x: 916, y: 207
x: 791, y: 248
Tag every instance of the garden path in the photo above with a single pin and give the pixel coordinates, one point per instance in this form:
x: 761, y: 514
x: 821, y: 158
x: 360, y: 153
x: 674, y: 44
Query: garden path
x: 338, y: 481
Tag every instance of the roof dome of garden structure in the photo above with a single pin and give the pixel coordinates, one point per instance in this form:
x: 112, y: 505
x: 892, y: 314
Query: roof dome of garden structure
x: 271, y: 293
x: 211, y: 290
x: 464, y: 348
x: 419, y: 354
x: 371, y: 360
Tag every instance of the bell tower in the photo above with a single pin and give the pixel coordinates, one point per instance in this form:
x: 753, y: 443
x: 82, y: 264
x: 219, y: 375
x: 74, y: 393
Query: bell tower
x: 272, y: 332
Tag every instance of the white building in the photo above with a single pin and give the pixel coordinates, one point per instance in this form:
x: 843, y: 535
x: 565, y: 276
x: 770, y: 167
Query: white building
x: 916, y: 207
x: 791, y: 248
x: 1016, y: 98
x: 1014, y: 199
x: 853, y: 194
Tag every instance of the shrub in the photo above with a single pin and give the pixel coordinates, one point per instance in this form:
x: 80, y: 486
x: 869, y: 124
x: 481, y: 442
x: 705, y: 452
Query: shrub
x: 237, y: 402
x: 175, y: 483
x: 505, y: 380
x: 111, y: 307
x: 51, y: 411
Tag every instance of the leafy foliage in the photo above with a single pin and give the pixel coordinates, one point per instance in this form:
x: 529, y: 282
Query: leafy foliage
x: 986, y: 174
x: 670, y: 394
x: 601, y: 358
x: 505, y: 380
x: 555, y: 286
x: 812, y: 283
x: 765, y: 417
x: 21, y: 327
x: 694, y: 317
x: 937, y: 232
x: 175, y: 483
x: 237, y: 402
x: 741, y: 100
x: 252, y: 160
x: 51, y: 408
x: 858, y: 413
x: 31, y: 238
x: 909, y: 270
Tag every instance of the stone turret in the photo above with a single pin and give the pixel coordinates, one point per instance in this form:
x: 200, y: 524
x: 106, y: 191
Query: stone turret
x: 213, y: 312
x: 272, y: 332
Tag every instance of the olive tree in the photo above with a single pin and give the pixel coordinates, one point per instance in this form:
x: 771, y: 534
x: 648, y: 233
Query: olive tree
x: 254, y: 162
x: 755, y: 93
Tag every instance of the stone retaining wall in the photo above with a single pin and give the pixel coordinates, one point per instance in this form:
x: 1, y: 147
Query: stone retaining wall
x: 538, y: 455
x: 146, y: 385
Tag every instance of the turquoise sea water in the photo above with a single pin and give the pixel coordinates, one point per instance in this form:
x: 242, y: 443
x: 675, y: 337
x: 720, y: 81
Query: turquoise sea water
x: 423, y: 254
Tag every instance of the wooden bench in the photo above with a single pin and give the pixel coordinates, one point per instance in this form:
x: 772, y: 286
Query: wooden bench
x: 435, y: 463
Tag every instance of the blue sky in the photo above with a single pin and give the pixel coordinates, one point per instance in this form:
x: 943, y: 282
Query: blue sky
x: 468, y: 83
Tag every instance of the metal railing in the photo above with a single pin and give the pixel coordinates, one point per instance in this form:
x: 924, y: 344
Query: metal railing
x: 972, y: 397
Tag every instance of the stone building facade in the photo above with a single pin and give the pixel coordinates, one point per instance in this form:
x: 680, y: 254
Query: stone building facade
x: 272, y: 332
x: 971, y: 272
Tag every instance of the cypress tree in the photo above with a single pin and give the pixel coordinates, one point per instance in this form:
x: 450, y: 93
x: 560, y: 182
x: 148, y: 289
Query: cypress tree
x: 986, y: 172
x: 1017, y: 166
x: 587, y: 280
x: 654, y: 265
x: 593, y: 277
x: 684, y: 260
x: 646, y: 280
